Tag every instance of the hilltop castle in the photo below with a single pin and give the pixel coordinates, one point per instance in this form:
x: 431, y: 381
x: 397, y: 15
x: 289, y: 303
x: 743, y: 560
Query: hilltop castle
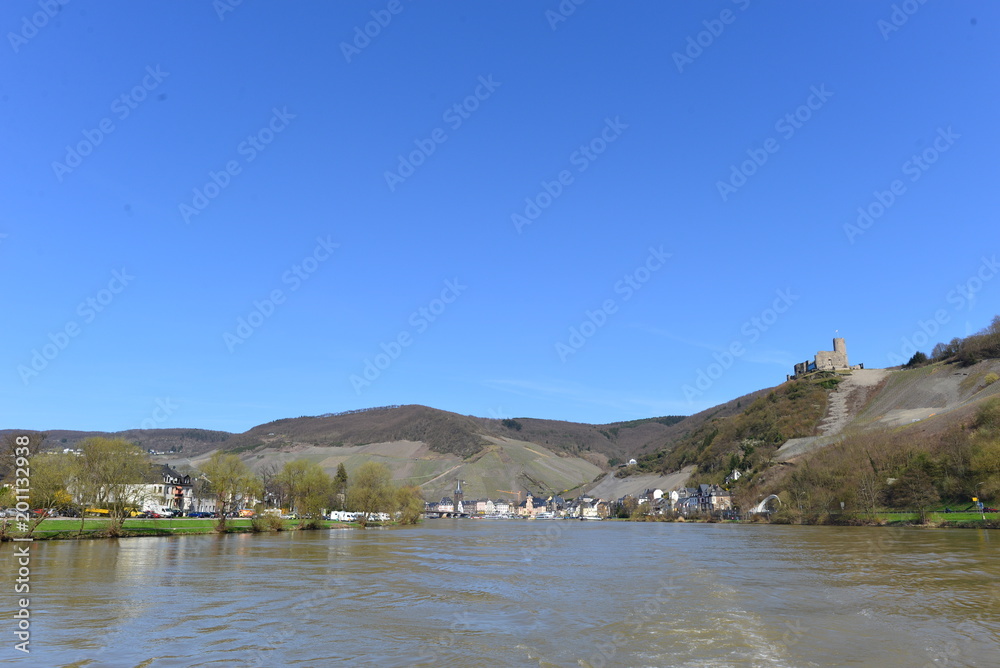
x: 828, y: 360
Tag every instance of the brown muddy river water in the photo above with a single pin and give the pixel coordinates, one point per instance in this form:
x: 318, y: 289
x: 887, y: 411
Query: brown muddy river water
x: 519, y: 593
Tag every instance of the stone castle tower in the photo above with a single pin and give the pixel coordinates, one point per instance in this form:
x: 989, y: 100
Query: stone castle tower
x: 833, y: 359
x: 826, y: 360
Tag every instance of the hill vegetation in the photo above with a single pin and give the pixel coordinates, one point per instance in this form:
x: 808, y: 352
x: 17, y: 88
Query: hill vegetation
x: 923, y: 434
x: 749, y: 439
x: 899, y: 452
x: 902, y: 469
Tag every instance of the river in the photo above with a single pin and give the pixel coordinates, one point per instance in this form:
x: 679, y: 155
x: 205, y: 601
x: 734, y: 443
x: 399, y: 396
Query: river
x: 520, y: 593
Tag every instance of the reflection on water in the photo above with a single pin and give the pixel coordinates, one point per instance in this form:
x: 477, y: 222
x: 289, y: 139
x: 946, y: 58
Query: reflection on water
x: 468, y: 593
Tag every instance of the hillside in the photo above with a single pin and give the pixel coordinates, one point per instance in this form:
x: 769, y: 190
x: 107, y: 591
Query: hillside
x: 192, y: 441
x: 930, y: 437
x: 841, y: 446
x: 801, y: 425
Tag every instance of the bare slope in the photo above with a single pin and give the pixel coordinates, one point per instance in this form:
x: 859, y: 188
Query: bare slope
x: 611, y: 487
x: 881, y: 398
x: 501, y: 467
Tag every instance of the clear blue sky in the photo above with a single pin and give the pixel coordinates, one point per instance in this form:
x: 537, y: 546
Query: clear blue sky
x: 113, y: 114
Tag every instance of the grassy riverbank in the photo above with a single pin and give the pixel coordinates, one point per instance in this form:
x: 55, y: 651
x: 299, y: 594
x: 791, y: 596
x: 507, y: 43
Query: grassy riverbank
x: 66, y: 528
x: 931, y: 519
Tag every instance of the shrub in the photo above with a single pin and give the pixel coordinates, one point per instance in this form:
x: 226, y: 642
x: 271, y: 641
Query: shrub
x: 311, y: 523
x: 259, y: 523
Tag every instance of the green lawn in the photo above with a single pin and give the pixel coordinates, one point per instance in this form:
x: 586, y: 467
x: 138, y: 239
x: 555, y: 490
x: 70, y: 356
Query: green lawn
x: 937, y: 516
x: 66, y: 527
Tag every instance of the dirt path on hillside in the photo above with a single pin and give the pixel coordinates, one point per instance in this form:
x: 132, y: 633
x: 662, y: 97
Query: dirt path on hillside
x: 848, y: 398
x: 843, y: 405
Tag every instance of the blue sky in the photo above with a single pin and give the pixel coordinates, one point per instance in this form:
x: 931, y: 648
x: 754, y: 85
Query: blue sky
x: 218, y: 215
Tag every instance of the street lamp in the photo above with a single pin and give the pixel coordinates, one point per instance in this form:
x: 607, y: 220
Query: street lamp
x: 981, y: 510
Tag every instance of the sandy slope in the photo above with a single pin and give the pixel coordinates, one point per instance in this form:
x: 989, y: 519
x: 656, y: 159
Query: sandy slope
x: 907, y: 396
x: 611, y: 487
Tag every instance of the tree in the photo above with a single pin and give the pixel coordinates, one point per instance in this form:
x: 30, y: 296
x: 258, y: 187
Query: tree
x: 913, y: 490
x: 340, y: 487
x: 268, y: 474
x: 308, y: 486
x: 371, y: 491
x: 410, y: 502
x: 9, y: 448
x: 112, y: 474
x: 230, y: 481
x: 50, y: 474
x: 918, y: 359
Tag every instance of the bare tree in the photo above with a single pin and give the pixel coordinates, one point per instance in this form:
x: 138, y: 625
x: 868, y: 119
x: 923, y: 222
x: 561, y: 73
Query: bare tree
x: 11, y: 446
x: 268, y: 474
x: 112, y: 473
x: 229, y: 480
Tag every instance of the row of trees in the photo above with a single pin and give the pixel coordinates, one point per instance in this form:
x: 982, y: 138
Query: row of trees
x: 306, y: 489
x: 111, y: 474
x: 984, y: 344
x: 105, y: 475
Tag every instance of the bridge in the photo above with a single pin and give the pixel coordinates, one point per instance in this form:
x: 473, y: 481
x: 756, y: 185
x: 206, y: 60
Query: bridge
x: 433, y: 514
x: 762, y: 506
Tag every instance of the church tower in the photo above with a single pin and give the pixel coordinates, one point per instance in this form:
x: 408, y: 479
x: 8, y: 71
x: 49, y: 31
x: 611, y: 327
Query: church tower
x: 459, y: 497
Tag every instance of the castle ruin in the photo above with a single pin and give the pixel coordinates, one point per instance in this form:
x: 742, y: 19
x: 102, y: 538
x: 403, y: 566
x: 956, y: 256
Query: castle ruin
x: 828, y: 360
